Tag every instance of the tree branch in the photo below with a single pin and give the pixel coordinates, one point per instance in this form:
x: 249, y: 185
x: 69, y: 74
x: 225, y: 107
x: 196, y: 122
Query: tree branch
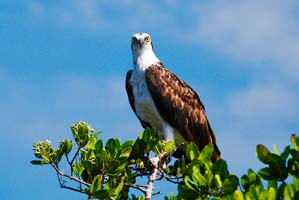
x: 67, y: 187
x: 78, y: 150
x: 138, y: 187
x: 152, y: 178
x: 60, y: 173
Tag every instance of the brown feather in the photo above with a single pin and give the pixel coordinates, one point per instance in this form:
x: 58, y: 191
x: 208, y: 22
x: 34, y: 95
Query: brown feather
x: 180, y: 107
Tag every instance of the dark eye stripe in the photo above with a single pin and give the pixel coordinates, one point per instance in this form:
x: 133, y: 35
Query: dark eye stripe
x: 134, y: 39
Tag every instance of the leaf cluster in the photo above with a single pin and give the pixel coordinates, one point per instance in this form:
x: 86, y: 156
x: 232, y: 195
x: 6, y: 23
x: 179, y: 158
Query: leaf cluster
x: 113, y: 170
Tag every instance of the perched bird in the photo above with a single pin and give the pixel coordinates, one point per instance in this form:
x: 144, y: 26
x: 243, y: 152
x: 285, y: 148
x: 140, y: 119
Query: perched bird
x: 162, y: 100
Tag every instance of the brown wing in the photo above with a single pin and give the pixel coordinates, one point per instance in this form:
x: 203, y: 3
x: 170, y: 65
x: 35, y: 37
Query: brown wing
x: 180, y: 106
x: 132, y: 99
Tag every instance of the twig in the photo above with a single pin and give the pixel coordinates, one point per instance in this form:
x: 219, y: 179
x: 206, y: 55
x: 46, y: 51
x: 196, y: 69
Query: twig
x: 67, y: 187
x: 156, y: 193
x: 77, y: 152
x: 69, y: 177
x: 138, y: 187
x: 67, y: 159
x: 161, y: 174
x: 152, y: 178
x: 172, y: 180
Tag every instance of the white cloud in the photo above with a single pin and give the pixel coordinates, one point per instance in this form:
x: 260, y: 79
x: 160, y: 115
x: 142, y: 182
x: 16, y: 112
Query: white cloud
x: 105, y: 93
x: 264, y: 101
x: 36, y: 111
x: 263, y: 33
x: 108, y: 16
x: 255, y: 31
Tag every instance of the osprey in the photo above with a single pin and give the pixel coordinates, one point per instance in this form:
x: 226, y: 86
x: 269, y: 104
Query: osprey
x: 162, y: 100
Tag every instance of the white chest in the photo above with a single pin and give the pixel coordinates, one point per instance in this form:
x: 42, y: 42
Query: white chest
x: 144, y: 104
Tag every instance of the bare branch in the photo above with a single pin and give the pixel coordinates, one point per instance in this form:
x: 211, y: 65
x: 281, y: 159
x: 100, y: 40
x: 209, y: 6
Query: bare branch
x: 174, y: 180
x: 62, y: 185
x: 69, y: 177
x: 152, y: 178
x: 77, y: 152
x: 73, y: 189
x: 138, y: 187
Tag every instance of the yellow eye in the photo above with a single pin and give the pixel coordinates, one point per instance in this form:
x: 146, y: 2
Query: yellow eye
x: 134, y: 40
x: 147, y: 39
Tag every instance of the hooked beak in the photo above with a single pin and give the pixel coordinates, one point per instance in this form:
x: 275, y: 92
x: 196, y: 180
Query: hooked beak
x: 138, y: 43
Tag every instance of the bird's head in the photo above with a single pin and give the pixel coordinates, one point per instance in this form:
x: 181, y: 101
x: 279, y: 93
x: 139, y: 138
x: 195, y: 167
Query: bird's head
x: 141, y: 45
x: 141, y: 42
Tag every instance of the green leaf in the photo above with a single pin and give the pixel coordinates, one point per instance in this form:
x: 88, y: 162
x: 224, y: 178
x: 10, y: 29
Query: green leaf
x: 187, y: 191
x: 218, y: 181
x: 285, y: 154
x: 171, y: 197
x: 125, y: 152
x: 39, y: 162
x: 146, y: 135
x: 64, y: 148
x: 111, y: 145
x: 253, y: 178
x: 99, y: 146
x: 58, y: 155
x: 153, y: 134
x: 295, y: 142
x: 113, y: 165
x: 265, y: 173
x: 288, y: 192
x: 67, y: 146
x: 230, y: 184
x: 120, y: 185
x: 296, y: 195
x: 293, y: 167
x: 272, y: 184
x: 192, y: 151
x: 169, y: 146
x: 101, y: 194
x: 81, y: 132
x: 271, y: 194
x: 197, y: 177
x: 127, y: 144
x: 207, y: 152
x: 220, y: 167
x: 262, y: 153
x: 277, y: 167
x: 238, y: 195
x: 280, y: 191
x: 275, y: 150
x: 295, y: 154
x: 96, y: 184
x: 78, y: 168
x: 141, y: 198
x: 190, y: 183
x: 245, y: 182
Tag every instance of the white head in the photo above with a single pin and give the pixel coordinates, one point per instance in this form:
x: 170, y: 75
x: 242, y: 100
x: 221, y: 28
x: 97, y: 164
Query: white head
x: 142, y: 50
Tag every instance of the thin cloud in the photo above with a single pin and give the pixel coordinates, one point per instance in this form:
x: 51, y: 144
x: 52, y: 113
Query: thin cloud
x: 257, y: 32
x: 40, y: 110
x: 264, y: 101
x: 263, y: 33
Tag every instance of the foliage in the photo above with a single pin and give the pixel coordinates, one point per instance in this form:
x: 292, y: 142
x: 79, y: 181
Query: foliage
x: 113, y: 170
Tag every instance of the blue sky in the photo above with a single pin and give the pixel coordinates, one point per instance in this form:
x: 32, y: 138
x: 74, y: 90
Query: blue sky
x: 65, y: 61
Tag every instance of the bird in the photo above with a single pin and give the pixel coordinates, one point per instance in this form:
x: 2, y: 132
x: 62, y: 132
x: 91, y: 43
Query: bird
x: 161, y: 100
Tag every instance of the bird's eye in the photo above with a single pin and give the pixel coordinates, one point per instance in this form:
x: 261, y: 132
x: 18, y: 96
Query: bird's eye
x: 147, y: 39
x: 134, y: 40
